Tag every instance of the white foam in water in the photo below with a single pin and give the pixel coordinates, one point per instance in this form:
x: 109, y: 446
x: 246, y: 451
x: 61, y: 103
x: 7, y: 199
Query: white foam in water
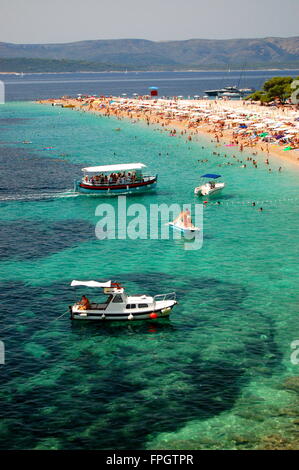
x: 2, y: 92
x: 38, y: 196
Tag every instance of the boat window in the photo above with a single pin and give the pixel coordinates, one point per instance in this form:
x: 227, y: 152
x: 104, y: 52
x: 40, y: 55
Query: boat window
x: 142, y: 305
x: 129, y: 306
x: 117, y: 299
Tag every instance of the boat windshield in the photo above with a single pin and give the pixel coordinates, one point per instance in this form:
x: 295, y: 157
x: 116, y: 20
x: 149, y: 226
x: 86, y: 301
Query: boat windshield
x: 101, y: 301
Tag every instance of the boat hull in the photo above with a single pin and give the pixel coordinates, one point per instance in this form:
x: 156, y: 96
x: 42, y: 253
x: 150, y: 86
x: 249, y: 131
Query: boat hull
x: 211, y: 92
x: 183, y: 229
x: 115, y: 189
x: 204, y: 191
x: 100, y: 315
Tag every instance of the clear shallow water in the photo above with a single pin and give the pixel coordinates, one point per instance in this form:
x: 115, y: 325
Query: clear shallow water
x: 209, y: 377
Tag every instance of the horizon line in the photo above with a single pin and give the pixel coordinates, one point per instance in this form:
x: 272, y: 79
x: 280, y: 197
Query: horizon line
x: 148, y: 40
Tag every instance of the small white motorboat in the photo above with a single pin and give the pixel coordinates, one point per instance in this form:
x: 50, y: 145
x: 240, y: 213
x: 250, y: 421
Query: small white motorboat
x: 120, y: 306
x: 209, y: 188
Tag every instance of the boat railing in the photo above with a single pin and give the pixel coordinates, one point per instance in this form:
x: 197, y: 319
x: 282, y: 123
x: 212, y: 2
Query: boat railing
x: 148, y: 178
x: 163, y: 297
x: 144, y: 178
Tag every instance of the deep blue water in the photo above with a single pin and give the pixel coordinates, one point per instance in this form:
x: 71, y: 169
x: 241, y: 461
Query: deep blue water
x: 39, y: 86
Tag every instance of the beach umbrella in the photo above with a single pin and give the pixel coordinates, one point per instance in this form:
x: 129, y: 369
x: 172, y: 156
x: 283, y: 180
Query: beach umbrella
x: 154, y: 90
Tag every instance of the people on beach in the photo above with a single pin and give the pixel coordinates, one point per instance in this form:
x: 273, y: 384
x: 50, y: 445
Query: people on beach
x: 259, y: 128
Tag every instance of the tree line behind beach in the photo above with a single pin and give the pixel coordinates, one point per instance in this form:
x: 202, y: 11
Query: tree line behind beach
x: 280, y: 89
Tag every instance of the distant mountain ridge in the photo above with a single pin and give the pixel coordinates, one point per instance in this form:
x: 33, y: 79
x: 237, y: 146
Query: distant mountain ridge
x: 144, y: 54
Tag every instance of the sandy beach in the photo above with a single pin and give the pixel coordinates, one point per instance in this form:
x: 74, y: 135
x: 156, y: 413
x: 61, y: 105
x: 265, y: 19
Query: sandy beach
x: 241, y: 124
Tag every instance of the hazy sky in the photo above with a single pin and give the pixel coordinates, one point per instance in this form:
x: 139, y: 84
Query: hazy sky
x: 42, y: 21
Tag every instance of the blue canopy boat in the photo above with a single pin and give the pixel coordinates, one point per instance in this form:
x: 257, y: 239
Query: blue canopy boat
x: 211, y: 187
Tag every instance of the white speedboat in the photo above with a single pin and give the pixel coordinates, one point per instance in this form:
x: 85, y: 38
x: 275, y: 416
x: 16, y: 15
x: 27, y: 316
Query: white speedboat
x: 209, y: 188
x: 230, y: 91
x: 120, y: 306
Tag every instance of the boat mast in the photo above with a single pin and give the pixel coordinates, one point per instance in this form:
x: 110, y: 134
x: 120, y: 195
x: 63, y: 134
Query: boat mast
x: 242, y: 71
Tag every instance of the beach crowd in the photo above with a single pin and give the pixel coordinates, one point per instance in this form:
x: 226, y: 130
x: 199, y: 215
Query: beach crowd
x: 235, y: 123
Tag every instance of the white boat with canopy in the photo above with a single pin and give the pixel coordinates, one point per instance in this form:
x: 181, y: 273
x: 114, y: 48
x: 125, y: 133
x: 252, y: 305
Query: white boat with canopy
x: 109, y: 180
x: 117, y: 305
x: 211, y: 187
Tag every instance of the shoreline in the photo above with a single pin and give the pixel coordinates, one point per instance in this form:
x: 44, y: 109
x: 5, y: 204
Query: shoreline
x: 153, y: 71
x: 217, y: 120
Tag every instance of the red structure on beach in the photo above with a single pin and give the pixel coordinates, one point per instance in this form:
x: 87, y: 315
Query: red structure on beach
x: 154, y: 91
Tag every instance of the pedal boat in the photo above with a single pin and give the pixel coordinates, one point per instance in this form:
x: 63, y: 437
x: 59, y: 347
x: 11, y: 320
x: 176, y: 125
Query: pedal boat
x: 182, y: 228
x: 207, y: 189
x: 120, y: 306
x: 183, y: 223
x: 111, y: 180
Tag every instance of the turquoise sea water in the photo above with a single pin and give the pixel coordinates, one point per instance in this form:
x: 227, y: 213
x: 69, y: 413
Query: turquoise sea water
x: 212, y: 376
